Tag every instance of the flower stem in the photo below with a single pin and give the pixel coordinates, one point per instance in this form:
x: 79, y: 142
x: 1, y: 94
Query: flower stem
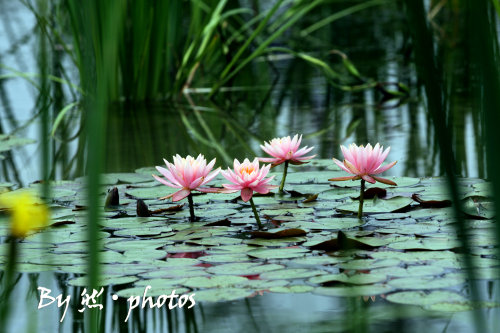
x: 283, y: 178
x: 361, y: 199
x: 9, y: 274
x: 191, y: 208
x: 255, y: 213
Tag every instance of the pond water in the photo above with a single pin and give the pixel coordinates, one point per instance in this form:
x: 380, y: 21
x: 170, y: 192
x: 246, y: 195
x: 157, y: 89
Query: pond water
x: 291, y: 98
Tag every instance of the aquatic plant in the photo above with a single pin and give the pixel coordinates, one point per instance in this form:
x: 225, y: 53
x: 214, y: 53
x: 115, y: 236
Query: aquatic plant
x: 187, y: 174
x: 248, y: 177
x: 26, y: 213
x: 364, y: 163
x: 285, y: 150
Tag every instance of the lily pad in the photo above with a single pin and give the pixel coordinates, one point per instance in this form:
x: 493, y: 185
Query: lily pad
x: 377, y: 205
x: 220, y: 295
x: 426, y: 298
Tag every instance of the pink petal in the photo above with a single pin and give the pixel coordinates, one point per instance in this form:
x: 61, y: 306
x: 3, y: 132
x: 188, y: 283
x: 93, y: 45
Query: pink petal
x: 294, y: 145
x: 164, y: 182
x: 209, y: 167
x: 342, y: 166
x: 235, y: 187
x: 211, y: 176
x: 181, y: 194
x: 236, y: 165
x: 167, y: 174
x: 188, y: 174
x: 229, y: 175
x: 384, y: 168
x: 351, y: 167
x: 246, y: 194
x: 303, y: 151
x: 385, y: 181
x: 225, y: 190
x: 342, y: 178
x: 267, y: 149
x: 383, y: 156
x: 264, y: 189
x: 347, y: 153
x: 368, y: 179
x: 269, y: 159
x: 195, y: 183
x: 304, y: 158
x: 265, y: 170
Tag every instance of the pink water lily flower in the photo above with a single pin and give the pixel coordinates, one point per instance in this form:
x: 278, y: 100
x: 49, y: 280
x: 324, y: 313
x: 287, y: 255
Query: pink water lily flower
x: 286, y: 149
x: 248, y: 177
x: 187, y: 174
x: 365, y: 163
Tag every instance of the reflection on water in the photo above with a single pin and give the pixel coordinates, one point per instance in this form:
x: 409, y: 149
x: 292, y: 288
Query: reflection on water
x: 269, y: 312
x: 296, y: 98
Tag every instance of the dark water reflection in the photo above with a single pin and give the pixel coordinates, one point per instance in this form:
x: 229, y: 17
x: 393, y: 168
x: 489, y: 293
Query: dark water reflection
x: 292, y: 98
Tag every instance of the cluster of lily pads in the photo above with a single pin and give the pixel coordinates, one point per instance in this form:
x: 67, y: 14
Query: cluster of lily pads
x: 190, y: 174
x: 405, y: 249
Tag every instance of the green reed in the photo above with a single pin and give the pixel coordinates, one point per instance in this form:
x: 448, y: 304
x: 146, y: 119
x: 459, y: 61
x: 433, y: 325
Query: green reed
x: 484, y: 50
x: 430, y: 71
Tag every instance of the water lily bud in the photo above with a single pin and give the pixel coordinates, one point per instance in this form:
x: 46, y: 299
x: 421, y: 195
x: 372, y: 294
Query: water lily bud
x: 113, y: 198
x: 142, y: 209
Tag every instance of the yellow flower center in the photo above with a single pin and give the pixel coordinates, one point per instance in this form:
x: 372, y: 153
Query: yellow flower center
x: 247, y: 169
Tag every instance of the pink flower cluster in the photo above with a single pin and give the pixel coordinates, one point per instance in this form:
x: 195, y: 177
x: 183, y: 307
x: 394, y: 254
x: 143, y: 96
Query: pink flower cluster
x: 190, y: 174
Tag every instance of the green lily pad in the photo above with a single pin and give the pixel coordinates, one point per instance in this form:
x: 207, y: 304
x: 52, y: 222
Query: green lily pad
x: 244, y: 268
x: 278, y: 253
x: 423, y: 298
x: 290, y: 273
x: 427, y: 282
x: 291, y: 289
x: 460, y: 306
x: 225, y: 258
x: 377, y: 205
x: 103, y: 280
x: 153, y: 292
x: 220, y: 295
x: 370, y: 290
x: 480, y: 207
x: 349, y: 279
x: 225, y: 281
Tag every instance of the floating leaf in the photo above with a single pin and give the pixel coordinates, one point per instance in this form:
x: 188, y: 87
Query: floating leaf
x: 371, y: 290
x: 220, y: 295
x: 377, y: 206
x: 427, y: 282
x: 424, y: 298
x: 431, y: 203
x: 225, y: 281
x: 244, y: 268
x: 479, y: 207
x: 278, y: 233
x: 291, y: 289
x: 349, y: 279
x: 290, y: 273
x: 278, y: 253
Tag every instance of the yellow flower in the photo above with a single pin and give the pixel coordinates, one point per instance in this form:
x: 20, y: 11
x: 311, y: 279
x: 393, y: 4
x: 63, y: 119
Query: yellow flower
x: 26, y: 212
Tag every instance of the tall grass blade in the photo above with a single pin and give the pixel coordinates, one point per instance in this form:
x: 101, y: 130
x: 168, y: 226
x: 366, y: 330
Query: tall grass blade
x: 429, y: 72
